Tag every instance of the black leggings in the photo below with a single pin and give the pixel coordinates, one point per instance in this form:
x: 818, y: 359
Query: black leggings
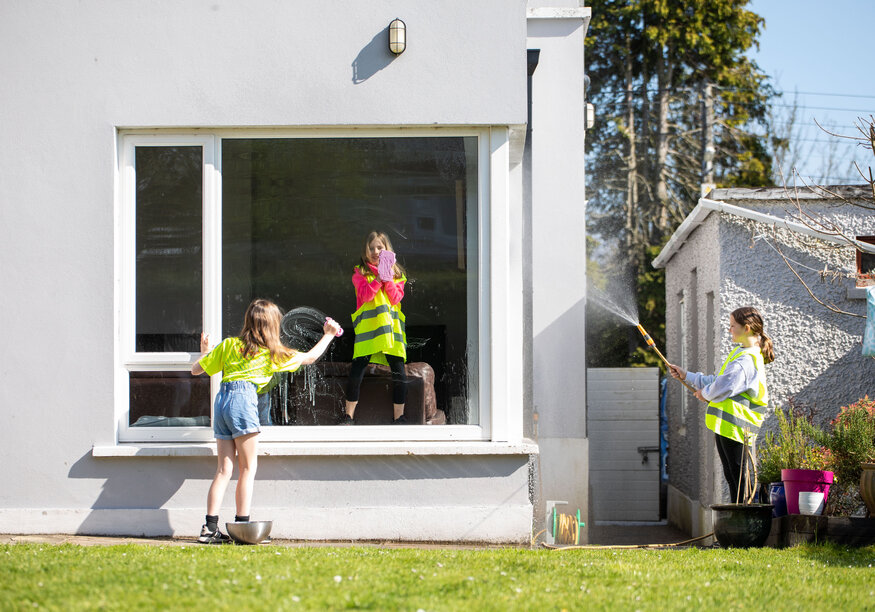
x: 731, y: 453
x: 357, y: 372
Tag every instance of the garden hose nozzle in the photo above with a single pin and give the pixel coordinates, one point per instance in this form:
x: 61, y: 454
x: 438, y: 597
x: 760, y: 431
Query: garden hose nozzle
x: 652, y: 345
x: 648, y: 340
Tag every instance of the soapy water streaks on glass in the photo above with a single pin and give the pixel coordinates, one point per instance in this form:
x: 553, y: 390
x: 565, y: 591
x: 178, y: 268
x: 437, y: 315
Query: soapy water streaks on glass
x: 300, y: 329
x: 295, y: 212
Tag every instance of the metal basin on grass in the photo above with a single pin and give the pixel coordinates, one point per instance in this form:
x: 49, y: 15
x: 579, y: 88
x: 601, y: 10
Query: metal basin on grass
x: 250, y: 532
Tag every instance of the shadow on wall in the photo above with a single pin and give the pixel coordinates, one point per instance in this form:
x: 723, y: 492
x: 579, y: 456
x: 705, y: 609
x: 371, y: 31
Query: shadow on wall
x: 558, y: 358
x: 136, y: 489
x: 372, y: 58
x: 559, y: 396
x: 139, y: 487
x: 365, y: 469
x: 844, y: 382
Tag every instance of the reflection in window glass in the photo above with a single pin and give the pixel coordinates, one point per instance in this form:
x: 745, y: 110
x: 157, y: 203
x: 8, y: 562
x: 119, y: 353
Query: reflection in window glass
x: 865, y: 264
x: 295, y: 214
x: 168, y: 248
x: 169, y: 399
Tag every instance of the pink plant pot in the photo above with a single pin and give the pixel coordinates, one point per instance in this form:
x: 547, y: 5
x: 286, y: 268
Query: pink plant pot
x: 804, y: 481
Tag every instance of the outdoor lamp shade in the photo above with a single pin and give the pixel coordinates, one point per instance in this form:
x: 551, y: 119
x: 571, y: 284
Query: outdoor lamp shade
x: 397, y: 36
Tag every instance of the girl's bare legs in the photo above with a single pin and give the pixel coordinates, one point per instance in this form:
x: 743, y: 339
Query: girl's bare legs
x: 399, y: 410
x: 226, y: 451
x: 350, y: 408
x: 247, y: 462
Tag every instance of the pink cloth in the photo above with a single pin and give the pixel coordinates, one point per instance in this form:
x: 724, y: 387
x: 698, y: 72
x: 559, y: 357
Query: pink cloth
x: 365, y: 291
x: 386, y: 265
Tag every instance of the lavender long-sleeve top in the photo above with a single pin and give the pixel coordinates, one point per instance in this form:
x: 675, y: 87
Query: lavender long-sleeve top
x: 740, y: 375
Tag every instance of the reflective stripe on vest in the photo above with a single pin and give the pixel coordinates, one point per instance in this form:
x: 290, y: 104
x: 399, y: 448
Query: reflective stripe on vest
x: 743, y: 412
x: 380, y: 329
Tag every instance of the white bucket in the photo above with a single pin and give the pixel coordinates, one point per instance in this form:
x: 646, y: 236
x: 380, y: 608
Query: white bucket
x: 810, y: 503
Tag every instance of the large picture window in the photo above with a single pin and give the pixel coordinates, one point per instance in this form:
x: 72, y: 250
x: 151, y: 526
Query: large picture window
x: 214, y: 222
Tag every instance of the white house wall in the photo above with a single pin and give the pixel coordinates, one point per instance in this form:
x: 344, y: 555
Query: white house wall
x: 75, y: 73
x: 102, y: 64
x: 558, y: 264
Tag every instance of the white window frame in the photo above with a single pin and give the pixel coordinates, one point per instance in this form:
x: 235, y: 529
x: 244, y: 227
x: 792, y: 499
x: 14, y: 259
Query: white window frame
x: 499, y: 320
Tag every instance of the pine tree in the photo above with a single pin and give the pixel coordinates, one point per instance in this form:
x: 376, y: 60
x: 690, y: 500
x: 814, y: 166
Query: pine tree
x: 655, y: 65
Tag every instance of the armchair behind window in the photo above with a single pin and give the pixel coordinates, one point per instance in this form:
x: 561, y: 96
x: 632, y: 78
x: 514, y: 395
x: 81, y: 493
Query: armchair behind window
x: 317, y: 395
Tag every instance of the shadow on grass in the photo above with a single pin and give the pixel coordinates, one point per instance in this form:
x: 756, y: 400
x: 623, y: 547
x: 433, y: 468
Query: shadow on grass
x: 829, y: 553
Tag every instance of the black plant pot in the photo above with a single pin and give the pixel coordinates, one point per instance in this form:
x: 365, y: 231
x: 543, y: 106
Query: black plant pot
x: 742, y: 525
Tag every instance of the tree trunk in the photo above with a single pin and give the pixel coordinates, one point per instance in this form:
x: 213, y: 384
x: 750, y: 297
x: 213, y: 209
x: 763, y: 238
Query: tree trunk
x: 632, y: 210
x: 663, y: 78
x: 645, y: 164
x: 707, y: 181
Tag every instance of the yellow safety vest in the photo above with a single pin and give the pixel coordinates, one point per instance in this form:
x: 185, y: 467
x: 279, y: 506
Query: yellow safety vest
x: 379, y: 328
x: 745, y: 411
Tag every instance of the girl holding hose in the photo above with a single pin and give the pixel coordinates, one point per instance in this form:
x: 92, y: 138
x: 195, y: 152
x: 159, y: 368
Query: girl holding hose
x: 738, y: 394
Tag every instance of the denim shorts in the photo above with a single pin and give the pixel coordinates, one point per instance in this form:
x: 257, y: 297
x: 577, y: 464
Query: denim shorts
x: 264, y: 409
x: 236, y: 410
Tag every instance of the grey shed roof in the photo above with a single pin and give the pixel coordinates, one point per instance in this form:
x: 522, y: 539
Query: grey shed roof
x: 718, y: 202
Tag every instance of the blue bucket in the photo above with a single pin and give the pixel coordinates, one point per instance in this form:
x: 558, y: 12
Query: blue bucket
x: 778, y: 499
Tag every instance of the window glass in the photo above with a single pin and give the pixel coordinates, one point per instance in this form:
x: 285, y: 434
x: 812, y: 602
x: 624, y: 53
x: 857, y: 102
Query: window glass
x: 169, y: 399
x: 169, y: 235
x: 865, y: 264
x: 295, y: 216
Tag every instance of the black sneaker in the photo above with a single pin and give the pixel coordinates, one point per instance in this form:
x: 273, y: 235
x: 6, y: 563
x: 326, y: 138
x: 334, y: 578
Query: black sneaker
x: 402, y: 420
x: 212, y: 537
x: 346, y: 420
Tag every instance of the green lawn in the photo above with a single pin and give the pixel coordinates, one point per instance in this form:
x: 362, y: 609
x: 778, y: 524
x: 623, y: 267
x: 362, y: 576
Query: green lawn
x: 301, y: 578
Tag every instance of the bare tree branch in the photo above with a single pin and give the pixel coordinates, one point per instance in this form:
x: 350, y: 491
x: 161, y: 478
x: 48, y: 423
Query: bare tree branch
x: 831, y: 307
x: 834, y: 134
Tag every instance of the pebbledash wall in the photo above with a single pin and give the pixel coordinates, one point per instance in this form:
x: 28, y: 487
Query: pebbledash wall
x: 719, y: 259
x: 78, y: 77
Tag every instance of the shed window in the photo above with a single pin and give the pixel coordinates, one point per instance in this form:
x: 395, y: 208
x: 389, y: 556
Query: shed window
x: 865, y: 264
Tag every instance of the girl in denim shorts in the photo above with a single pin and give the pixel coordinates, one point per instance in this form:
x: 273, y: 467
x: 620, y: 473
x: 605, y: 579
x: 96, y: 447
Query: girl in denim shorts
x: 247, y: 363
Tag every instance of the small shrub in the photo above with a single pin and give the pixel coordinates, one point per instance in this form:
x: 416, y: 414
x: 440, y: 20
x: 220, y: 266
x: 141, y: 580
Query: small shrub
x: 817, y: 458
x: 799, y: 444
x: 852, y: 440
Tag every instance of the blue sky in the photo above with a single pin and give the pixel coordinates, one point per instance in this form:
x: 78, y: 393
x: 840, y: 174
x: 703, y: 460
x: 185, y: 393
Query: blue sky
x: 818, y: 48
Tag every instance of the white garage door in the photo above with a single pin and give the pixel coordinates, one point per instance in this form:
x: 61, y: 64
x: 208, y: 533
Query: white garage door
x: 622, y: 407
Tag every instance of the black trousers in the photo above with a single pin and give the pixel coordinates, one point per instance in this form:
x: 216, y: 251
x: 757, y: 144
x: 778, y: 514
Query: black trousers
x: 731, y: 453
x: 357, y: 372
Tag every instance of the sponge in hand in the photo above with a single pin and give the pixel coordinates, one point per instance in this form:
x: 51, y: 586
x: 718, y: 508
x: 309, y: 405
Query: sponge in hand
x: 384, y: 268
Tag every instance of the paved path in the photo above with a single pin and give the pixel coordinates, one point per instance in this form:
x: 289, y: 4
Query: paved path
x: 599, y: 535
x: 86, y: 540
x: 635, y: 534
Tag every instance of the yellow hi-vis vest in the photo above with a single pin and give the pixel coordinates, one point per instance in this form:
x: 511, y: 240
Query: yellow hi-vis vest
x: 379, y: 328
x: 745, y: 411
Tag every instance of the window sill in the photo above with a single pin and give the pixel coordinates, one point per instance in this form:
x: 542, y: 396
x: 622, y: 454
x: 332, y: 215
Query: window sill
x: 857, y: 293
x: 299, y: 449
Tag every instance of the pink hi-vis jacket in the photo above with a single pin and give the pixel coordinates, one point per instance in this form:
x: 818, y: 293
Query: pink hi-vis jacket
x: 365, y: 291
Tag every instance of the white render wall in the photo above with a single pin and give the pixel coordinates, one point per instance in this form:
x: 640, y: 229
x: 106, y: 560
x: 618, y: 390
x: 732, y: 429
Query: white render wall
x: 102, y: 64
x: 818, y: 365
x: 558, y: 262
x: 75, y: 73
